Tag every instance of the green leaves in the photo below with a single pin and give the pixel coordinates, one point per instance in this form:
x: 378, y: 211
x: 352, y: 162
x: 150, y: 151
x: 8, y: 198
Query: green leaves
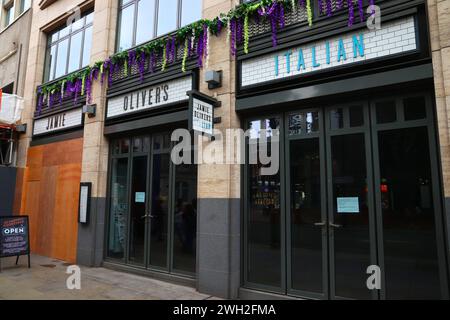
x: 244, y: 11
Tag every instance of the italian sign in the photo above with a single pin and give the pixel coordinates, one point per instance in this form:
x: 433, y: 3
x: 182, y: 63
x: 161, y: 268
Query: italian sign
x: 395, y: 37
x: 58, y: 122
x: 150, y: 97
x: 14, y: 237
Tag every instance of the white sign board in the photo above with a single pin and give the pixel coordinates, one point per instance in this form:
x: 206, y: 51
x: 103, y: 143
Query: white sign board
x: 84, y: 196
x: 149, y: 97
x: 348, y: 205
x: 363, y: 45
x: 57, y: 122
x: 202, y: 116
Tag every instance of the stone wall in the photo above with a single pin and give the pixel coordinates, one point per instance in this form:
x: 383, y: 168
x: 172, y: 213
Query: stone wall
x: 14, y: 52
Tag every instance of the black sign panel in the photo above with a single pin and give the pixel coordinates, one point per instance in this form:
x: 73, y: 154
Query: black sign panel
x: 201, y: 112
x: 14, y: 236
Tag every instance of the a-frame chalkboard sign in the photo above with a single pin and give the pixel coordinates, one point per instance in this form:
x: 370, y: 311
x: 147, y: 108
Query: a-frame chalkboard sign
x: 15, y: 238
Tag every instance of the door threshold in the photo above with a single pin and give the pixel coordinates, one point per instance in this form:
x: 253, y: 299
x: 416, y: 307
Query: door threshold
x: 175, y: 279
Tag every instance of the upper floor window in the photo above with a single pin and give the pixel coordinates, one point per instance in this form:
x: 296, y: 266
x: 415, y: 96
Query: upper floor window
x: 11, y: 9
x: 143, y: 20
x: 9, y: 14
x: 24, y: 5
x: 69, y: 48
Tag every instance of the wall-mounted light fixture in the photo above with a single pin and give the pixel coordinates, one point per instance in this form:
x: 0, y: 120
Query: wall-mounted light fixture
x: 213, y: 79
x: 21, y: 128
x: 90, y: 110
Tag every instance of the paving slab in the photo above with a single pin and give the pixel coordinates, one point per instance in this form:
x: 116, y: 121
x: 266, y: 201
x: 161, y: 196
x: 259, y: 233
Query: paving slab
x: 46, y: 280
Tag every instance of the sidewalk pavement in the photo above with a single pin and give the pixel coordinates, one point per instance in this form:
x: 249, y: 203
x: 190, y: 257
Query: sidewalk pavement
x: 46, y: 280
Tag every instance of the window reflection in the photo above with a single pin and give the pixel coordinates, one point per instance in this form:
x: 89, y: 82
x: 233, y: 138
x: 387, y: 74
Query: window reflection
x: 264, y: 219
x: 191, y: 11
x: 143, y: 20
x: 69, y: 49
x: 119, y: 209
x: 167, y: 14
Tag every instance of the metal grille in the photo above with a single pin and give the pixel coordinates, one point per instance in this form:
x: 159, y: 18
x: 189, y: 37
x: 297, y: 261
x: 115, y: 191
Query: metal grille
x: 262, y: 25
x: 334, y: 6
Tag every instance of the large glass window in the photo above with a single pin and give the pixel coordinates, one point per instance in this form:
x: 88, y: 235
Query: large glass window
x: 69, y: 48
x: 143, y: 20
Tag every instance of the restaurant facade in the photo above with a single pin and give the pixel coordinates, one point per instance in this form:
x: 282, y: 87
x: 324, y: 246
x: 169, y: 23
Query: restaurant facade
x: 356, y: 112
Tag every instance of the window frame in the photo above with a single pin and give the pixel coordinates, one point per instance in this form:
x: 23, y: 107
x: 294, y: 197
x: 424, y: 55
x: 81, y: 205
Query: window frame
x: 22, y: 7
x: 49, y: 75
x: 9, y: 11
x: 122, y: 6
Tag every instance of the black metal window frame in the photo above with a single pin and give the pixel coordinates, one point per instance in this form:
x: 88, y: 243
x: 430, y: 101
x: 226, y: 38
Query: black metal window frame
x: 370, y: 131
x: 71, y: 33
x: 155, y: 35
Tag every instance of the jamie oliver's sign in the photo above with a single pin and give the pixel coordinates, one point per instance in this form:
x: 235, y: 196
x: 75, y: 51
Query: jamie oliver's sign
x: 58, y: 122
x: 14, y: 237
x: 393, y: 38
x: 154, y: 96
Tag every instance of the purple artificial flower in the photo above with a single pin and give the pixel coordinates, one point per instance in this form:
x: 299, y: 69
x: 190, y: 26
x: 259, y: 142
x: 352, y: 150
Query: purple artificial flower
x: 200, y: 51
x: 303, y: 2
x: 329, y: 8
x: 131, y: 58
x: 272, y: 8
x: 49, y: 102
x: 320, y: 6
x: 281, y: 16
x: 141, y: 65
x: 239, y: 31
x: 233, y: 37
x: 111, y: 70
x: 351, y: 13
x: 40, y: 103
x: 361, y: 10
x: 167, y: 48
x: 340, y: 4
x: 173, y: 50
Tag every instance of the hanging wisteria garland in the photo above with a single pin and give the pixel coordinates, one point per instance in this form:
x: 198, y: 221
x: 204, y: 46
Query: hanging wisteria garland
x: 189, y: 39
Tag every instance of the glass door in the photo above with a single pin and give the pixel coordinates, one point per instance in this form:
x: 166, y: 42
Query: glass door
x: 350, y: 201
x: 153, y: 206
x: 359, y: 188
x: 160, y: 207
x: 306, y: 219
x: 411, y: 252
x: 138, y: 216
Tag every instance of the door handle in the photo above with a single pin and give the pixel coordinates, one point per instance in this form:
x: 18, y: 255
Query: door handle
x: 337, y: 226
x: 320, y: 224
